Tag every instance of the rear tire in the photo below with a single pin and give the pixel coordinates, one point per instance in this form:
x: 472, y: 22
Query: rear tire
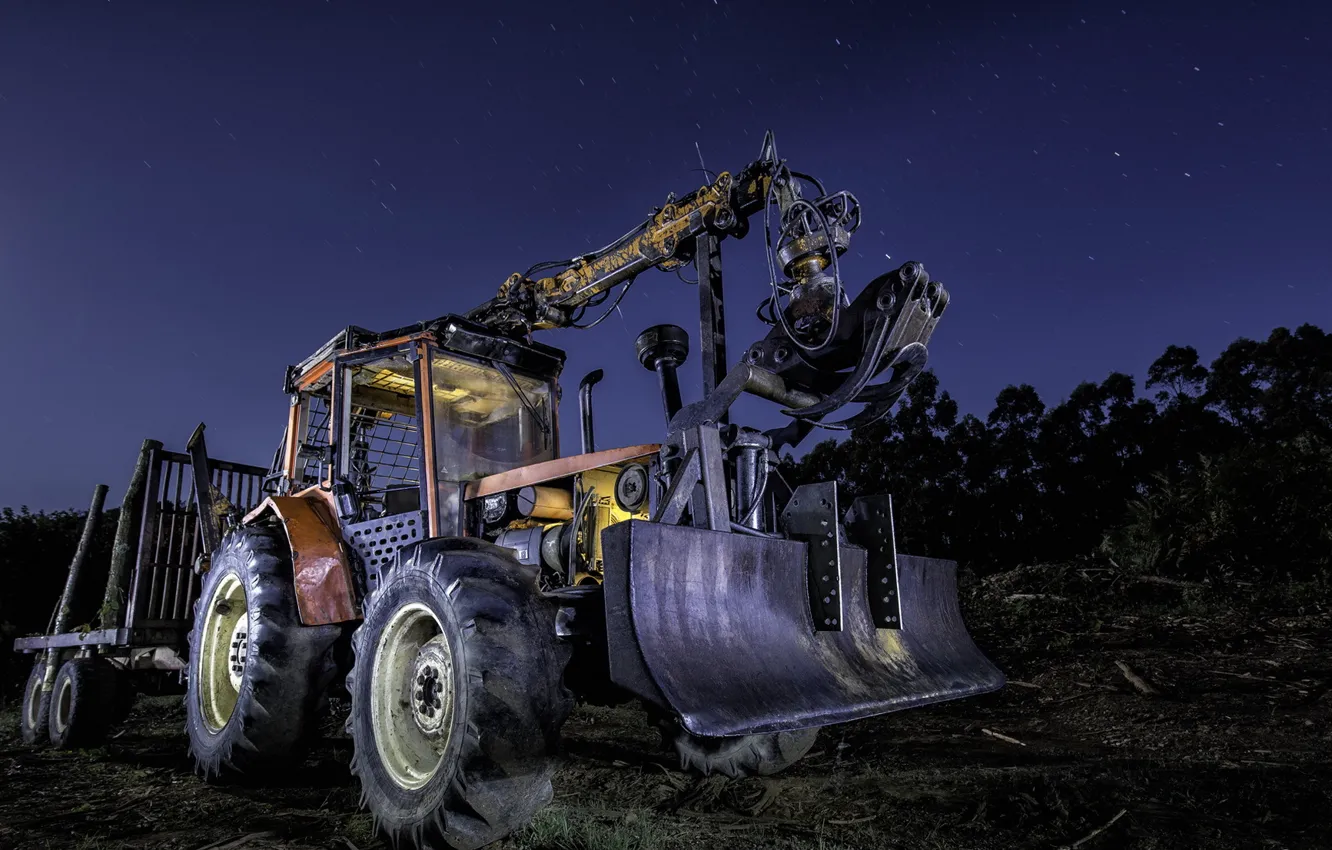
x: 256, y: 675
x: 36, y: 707
x: 742, y: 755
x: 457, y: 697
x: 81, y: 703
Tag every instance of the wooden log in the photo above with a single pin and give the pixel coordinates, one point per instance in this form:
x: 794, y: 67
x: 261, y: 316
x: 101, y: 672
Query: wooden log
x: 1002, y: 737
x: 60, y: 617
x: 109, y: 616
x: 1032, y: 597
x: 1095, y: 832
x: 1170, y: 582
x: 1136, y: 680
x: 62, y: 614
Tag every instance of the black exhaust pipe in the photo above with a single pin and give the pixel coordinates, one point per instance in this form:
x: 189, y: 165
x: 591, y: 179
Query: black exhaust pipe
x: 590, y: 380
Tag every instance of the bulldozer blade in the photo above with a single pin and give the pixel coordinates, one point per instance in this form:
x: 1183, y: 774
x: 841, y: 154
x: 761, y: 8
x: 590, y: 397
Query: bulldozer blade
x: 717, y: 627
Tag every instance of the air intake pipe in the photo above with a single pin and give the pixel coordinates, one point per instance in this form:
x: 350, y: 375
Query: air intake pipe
x: 662, y: 348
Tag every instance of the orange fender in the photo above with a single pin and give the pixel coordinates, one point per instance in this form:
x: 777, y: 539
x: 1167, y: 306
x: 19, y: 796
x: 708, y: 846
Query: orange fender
x: 320, y: 566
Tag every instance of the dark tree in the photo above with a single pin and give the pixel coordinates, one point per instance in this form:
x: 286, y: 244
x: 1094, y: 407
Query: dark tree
x: 1221, y: 469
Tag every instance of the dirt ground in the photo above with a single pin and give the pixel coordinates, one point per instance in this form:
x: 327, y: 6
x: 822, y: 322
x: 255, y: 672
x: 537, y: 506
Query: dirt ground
x: 1230, y: 751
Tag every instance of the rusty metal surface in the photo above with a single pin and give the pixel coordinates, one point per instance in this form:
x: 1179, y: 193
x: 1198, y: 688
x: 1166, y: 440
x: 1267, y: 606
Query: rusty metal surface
x: 320, y: 565
x: 313, y: 377
x: 315, y: 492
x: 320, y: 370
x: 383, y: 345
x: 718, y: 627
x: 557, y: 468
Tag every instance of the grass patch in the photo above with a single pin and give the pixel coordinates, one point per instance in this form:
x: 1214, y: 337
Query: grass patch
x: 9, y: 723
x: 360, y: 828
x: 558, y: 828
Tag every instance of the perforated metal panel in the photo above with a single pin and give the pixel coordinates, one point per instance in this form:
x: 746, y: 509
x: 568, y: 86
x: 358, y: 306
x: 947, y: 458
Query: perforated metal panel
x: 377, y: 542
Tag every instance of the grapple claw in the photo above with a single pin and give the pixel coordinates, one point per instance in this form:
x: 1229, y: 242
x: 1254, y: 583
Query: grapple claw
x: 870, y: 365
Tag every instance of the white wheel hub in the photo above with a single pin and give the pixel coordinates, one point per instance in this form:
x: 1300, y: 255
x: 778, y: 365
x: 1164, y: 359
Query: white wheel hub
x: 223, y: 647
x: 240, y: 649
x: 412, y: 695
x: 432, y: 688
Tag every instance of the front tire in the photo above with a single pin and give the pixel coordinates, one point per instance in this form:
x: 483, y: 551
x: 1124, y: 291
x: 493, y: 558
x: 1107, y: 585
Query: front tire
x: 457, y: 697
x: 256, y: 675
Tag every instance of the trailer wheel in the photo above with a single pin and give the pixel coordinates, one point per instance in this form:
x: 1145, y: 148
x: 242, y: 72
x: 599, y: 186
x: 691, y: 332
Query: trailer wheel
x: 36, y: 707
x: 742, y: 755
x: 457, y: 697
x: 80, y: 710
x: 256, y: 675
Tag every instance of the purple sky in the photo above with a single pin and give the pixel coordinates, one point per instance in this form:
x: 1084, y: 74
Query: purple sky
x: 194, y: 195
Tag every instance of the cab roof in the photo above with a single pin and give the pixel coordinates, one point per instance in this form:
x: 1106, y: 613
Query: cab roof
x: 450, y: 332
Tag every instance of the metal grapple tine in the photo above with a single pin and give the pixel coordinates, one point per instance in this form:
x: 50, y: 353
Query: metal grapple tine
x: 908, y: 364
x: 866, y: 369
x: 880, y: 398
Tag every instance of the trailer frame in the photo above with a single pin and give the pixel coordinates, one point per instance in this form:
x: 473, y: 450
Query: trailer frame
x: 142, y: 629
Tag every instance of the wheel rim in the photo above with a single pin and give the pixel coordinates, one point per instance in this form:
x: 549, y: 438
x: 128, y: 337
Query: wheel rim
x: 223, y: 652
x: 64, y: 704
x: 411, y: 696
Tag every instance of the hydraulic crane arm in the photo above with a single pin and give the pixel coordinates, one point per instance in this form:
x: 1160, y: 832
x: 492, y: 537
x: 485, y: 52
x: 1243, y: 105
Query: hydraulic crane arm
x: 665, y: 241
x: 822, y: 343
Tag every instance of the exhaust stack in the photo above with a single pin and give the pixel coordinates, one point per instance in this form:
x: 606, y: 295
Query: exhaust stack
x: 585, y: 386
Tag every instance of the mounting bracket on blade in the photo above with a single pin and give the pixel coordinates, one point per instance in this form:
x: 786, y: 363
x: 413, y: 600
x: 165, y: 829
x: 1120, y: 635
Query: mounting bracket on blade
x: 811, y: 518
x: 869, y: 524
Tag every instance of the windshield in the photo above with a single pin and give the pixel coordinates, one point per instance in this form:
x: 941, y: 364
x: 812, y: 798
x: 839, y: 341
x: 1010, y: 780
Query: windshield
x: 488, y: 419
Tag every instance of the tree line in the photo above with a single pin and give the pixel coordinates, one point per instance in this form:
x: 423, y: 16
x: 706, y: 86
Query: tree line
x: 35, y: 552
x: 1217, y: 470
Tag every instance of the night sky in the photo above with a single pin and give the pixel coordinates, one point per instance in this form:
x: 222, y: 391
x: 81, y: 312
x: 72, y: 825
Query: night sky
x: 194, y: 195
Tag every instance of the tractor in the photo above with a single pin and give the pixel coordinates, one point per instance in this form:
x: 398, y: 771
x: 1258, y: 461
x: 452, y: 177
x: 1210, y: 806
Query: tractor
x: 424, y: 550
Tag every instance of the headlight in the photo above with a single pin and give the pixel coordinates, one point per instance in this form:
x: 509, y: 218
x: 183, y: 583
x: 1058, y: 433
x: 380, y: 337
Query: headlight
x: 494, y: 507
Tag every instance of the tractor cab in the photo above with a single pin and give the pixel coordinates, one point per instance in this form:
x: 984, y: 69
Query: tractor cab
x: 391, y: 426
